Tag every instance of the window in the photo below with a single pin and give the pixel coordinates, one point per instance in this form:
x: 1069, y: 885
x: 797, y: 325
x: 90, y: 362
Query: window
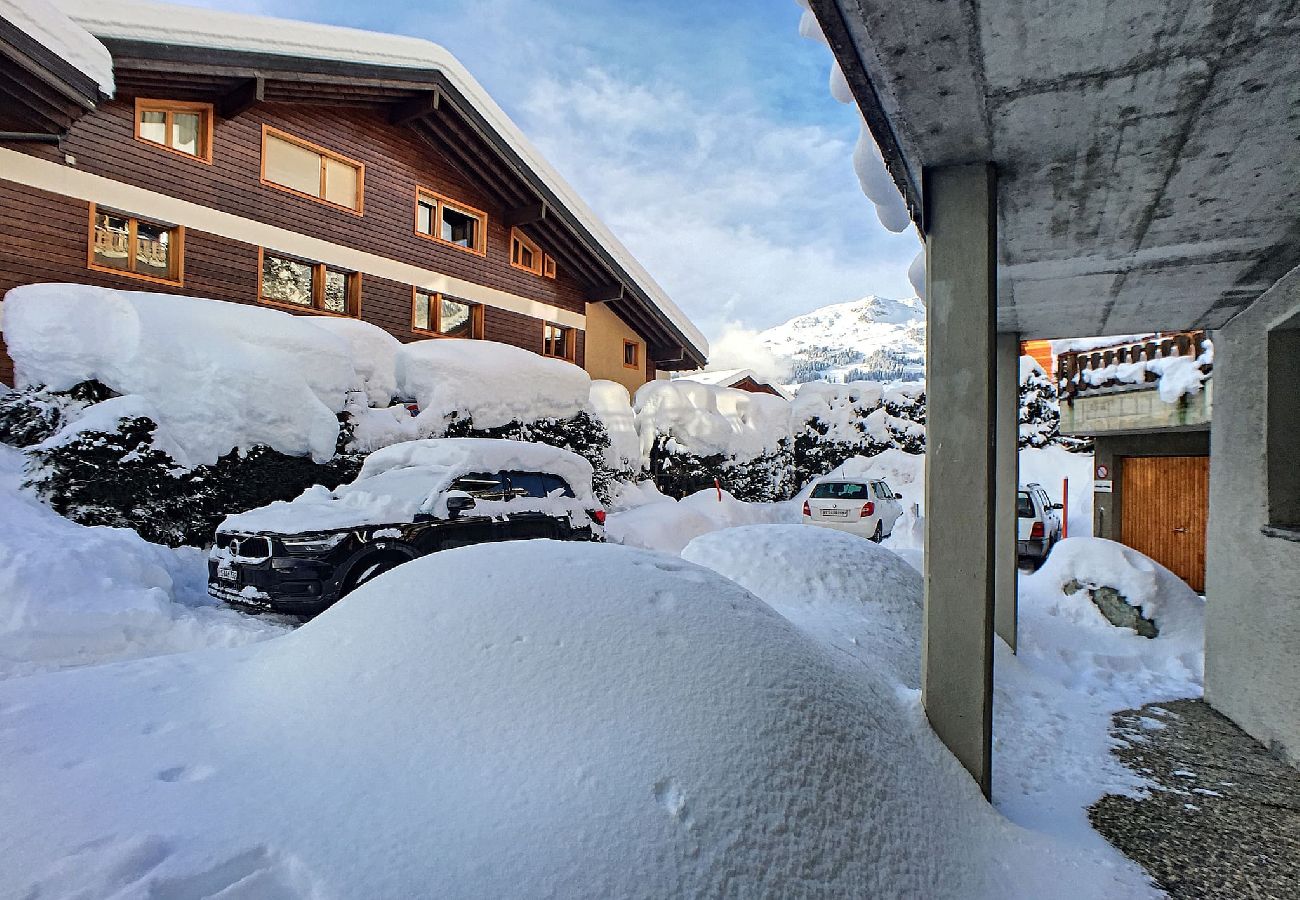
x: 444, y: 316
x: 1024, y: 506
x: 558, y: 341
x: 548, y: 265
x: 481, y: 485
x: 524, y: 254
x: 184, y: 128
x: 128, y: 245
x: 303, y: 168
x: 839, y: 490
x: 285, y: 281
x: 1282, y: 406
x: 631, y: 355
x: 537, y: 485
x: 449, y: 222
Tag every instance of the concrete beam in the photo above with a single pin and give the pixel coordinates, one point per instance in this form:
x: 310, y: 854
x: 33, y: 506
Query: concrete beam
x: 960, y: 501
x: 1008, y: 483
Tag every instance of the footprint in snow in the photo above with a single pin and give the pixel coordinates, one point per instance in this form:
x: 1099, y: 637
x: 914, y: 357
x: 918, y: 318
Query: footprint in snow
x: 186, y: 773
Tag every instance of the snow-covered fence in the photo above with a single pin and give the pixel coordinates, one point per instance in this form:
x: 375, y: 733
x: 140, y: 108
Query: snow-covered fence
x: 1175, y: 364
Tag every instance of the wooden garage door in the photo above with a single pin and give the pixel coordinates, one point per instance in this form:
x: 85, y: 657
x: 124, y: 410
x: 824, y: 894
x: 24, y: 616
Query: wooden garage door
x: 1165, y: 502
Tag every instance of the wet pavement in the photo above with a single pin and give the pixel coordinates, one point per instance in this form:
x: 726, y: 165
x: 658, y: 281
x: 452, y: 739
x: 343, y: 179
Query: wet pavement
x: 1222, y: 819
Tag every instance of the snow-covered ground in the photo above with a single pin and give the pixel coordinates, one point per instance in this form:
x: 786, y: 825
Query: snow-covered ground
x: 77, y: 596
x: 543, y: 719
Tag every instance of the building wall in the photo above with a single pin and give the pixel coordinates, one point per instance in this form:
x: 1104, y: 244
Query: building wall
x: 220, y: 260
x: 1252, y: 634
x: 1110, y: 450
x: 605, y: 335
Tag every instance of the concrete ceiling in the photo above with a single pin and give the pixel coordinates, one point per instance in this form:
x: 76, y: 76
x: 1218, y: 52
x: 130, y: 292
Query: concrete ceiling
x: 1148, y: 151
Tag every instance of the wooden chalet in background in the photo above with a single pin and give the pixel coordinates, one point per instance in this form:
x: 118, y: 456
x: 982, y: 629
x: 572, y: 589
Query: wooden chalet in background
x: 319, y: 170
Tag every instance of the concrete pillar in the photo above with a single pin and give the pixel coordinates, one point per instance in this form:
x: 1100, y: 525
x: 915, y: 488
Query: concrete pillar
x: 1008, y: 482
x: 961, y: 306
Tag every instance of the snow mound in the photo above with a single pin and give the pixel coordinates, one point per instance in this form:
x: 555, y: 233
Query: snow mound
x: 658, y: 522
x: 218, y: 375
x: 399, y: 481
x: 374, y: 355
x: 1161, y: 595
x: 613, y: 406
x: 704, y: 419
x: 837, y: 586
x: 495, y: 384
x: 74, y: 596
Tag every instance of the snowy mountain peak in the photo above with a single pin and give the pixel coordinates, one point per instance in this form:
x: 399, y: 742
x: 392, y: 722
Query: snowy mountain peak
x: 874, y: 338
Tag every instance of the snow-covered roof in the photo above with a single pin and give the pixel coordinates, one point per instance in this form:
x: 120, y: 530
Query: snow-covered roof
x: 731, y: 377
x: 205, y: 28
x: 44, y: 23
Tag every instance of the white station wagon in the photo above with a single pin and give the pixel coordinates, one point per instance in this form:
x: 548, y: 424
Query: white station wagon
x: 867, y: 507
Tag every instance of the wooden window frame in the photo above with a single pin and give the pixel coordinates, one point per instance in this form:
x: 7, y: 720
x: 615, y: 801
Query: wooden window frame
x: 435, y: 313
x: 636, y: 354
x: 548, y: 266
x: 324, y: 153
x: 570, y: 342
x: 439, y: 201
x: 517, y: 235
x: 176, y: 248
x: 317, y: 287
x: 205, y: 110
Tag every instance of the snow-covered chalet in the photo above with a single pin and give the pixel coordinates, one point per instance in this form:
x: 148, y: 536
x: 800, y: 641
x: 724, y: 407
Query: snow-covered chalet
x: 315, y: 169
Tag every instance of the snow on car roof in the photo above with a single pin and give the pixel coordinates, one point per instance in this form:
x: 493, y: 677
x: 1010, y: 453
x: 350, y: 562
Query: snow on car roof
x: 401, y: 480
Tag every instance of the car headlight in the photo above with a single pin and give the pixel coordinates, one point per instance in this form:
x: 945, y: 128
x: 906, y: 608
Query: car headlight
x: 316, y: 544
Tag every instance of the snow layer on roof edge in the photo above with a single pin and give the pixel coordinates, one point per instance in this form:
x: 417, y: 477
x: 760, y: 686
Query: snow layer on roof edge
x: 195, y: 27
x: 43, y: 22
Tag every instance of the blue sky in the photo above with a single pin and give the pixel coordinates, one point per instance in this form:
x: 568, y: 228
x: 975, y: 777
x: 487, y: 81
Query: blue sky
x: 702, y: 131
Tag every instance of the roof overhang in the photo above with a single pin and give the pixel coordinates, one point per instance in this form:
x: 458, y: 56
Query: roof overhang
x: 42, y: 91
x: 421, y: 87
x: 1148, y: 164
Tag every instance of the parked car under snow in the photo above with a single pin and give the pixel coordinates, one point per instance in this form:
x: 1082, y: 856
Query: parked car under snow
x: 409, y: 499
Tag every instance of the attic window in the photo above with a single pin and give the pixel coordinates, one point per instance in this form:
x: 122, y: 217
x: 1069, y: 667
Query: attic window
x: 631, y: 355
x: 448, y: 221
x: 183, y: 128
x: 548, y: 265
x: 525, y: 254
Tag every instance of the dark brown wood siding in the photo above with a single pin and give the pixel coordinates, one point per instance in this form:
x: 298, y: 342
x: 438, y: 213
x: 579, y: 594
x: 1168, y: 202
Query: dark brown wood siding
x: 396, y: 163
x: 52, y: 246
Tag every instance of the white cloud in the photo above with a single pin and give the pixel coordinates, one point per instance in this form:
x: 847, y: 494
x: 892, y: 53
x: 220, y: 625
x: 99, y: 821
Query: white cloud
x: 729, y: 208
x: 738, y: 347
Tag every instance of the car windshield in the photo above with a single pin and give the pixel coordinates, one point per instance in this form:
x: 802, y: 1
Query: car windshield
x: 839, y: 490
x: 1024, y: 506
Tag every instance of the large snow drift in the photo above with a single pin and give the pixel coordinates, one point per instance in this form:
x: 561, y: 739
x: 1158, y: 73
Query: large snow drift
x: 1093, y: 563
x: 74, y: 596
x: 847, y: 591
x: 495, y: 384
x: 218, y: 375
x: 460, y: 726
x: 403, y: 479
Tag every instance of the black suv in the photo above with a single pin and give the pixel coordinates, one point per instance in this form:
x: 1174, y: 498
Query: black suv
x: 304, y: 572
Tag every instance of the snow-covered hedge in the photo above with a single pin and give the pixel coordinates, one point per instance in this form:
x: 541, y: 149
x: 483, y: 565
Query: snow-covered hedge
x: 835, y: 422
x: 692, y: 434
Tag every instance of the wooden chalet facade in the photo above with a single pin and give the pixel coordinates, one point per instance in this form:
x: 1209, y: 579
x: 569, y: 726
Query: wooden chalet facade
x: 327, y: 184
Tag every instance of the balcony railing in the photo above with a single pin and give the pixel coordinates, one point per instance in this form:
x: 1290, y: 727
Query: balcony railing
x: 1122, y: 366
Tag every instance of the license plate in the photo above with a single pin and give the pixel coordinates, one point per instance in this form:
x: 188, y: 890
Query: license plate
x: 835, y: 512
x: 226, y: 573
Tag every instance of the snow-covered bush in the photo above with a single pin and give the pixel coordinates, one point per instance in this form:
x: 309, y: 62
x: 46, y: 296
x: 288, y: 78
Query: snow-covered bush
x: 835, y: 422
x: 105, y: 470
x: 30, y: 415
x: 692, y: 434
x: 612, y: 405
